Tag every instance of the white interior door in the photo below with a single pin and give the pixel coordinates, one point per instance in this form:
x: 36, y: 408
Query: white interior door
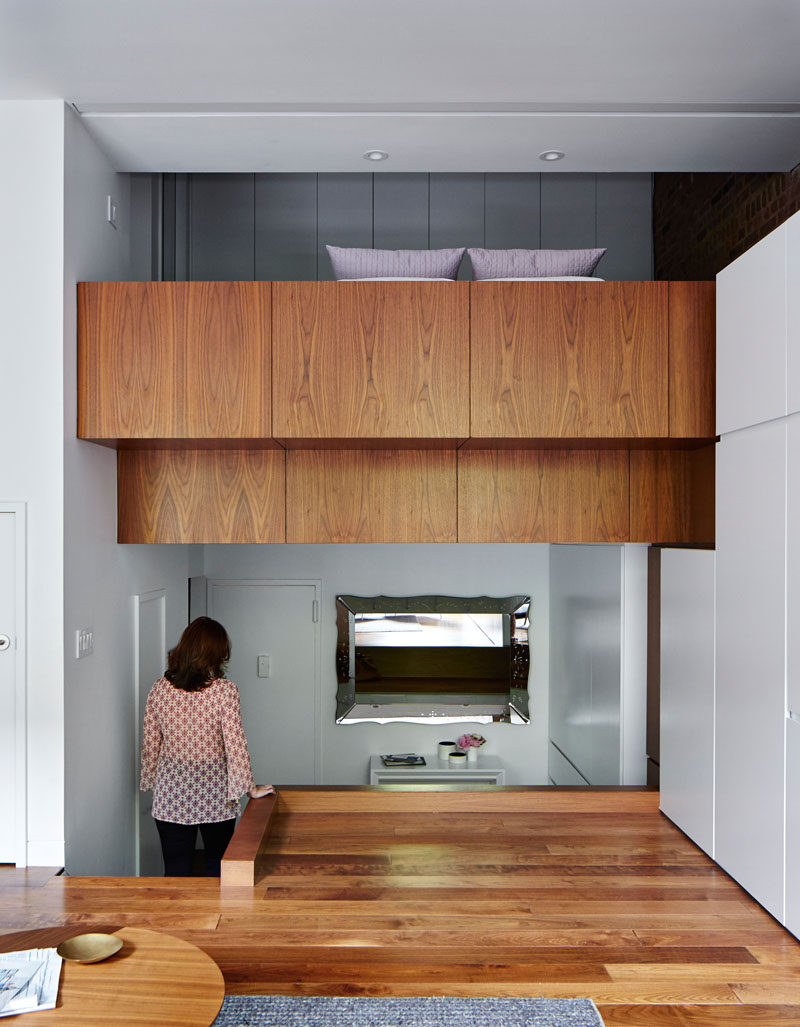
x: 10, y: 574
x: 150, y: 642
x: 276, y: 620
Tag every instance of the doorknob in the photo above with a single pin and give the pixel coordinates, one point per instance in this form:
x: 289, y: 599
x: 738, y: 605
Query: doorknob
x: 5, y: 643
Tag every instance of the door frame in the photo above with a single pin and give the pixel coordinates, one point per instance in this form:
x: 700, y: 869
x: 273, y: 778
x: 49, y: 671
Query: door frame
x: 138, y: 601
x: 316, y: 584
x: 19, y: 509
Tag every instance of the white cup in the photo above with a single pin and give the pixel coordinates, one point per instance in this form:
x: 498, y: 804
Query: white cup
x: 445, y: 748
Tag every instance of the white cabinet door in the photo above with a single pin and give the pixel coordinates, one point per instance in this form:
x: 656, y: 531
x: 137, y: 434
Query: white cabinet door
x: 750, y: 671
x: 792, y: 919
x: 793, y: 563
x: 687, y: 692
x: 792, y: 229
x: 751, y: 336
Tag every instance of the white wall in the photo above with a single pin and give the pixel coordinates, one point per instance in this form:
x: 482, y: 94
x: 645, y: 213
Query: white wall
x: 598, y: 664
x: 31, y: 419
x: 100, y: 577
x: 408, y: 570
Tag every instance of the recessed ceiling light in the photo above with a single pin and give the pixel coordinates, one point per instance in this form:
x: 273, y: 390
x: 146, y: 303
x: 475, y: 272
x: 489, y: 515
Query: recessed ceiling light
x: 375, y: 155
x: 551, y: 155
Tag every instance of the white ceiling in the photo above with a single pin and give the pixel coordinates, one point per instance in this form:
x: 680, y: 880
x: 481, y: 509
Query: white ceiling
x: 442, y: 85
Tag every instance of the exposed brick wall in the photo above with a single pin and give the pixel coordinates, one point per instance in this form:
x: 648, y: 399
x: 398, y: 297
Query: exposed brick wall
x: 701, y: 222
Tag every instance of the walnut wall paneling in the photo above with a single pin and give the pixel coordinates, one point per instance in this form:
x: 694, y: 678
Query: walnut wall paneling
x: 553, y: 495
x: 201, y: 495
x: 692, y: 359
x: 569, y: 360
x: 371, y: 495
x: 370, y: 360
x: 672, y: 495
x: 173, y: 360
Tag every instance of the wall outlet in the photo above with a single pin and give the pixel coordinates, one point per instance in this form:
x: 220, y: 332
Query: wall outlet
x: 84, y: 642
x: 111, y: 212
x: 263, y: 663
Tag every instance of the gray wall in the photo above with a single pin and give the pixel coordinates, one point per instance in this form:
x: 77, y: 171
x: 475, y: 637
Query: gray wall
x: 502, y: 569
x: 275, y: 227
x: 585, y: 658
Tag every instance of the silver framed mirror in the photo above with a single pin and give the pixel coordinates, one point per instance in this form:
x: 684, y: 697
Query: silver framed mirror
x: 432, y: 658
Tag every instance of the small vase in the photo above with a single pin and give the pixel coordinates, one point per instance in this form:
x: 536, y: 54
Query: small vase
x: 472, y: 754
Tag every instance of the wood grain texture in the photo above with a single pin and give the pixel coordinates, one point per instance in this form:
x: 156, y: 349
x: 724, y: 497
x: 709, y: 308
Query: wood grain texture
x: 155, y: 980
x: 692, y: 359
x: 633, y: 365
x: 238, y: 865
x: 201, y: 495
x: 542, y: 496
x: 370, y: 496
x: 672, y: 495
x: 174, y: 360
x: 429, y: 799
x: 370, y: 359
x: 568, y: 359
x: 586, y: 892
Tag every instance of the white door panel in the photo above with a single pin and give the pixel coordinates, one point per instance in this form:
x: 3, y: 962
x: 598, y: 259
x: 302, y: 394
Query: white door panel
x: 792, y: 229
x: 751, y: 336
x: 279, y: 712
x: 687, y: 692
x: 8, y: 719
x: 750, y: 670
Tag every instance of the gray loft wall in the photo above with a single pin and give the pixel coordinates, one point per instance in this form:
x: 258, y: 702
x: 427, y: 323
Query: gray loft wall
x: 275, y: 227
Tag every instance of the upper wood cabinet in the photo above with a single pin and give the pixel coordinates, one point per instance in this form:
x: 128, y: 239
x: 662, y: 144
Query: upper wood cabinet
x: 173, y: 360
x: 370, y: 360
x: 692, y: 371
x: 569, y: 359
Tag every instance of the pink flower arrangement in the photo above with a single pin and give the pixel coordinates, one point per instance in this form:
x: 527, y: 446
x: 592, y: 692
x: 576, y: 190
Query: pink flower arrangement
x: 470, y: 741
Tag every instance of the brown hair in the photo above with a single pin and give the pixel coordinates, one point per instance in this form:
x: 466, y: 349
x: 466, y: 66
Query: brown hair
x: 200, y: 656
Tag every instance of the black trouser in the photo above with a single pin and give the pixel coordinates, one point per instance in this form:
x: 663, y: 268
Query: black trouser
x: 177, y: 846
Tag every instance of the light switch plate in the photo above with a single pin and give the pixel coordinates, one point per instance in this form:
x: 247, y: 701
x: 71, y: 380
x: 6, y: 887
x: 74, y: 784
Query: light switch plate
x: 84, y: 642
x: 263, y: 663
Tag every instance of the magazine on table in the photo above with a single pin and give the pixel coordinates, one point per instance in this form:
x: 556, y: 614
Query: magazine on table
x: 34, y: 975
x: 403, y: 759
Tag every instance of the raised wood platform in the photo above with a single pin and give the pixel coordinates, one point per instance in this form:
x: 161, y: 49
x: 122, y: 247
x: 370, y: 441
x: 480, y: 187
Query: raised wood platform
x: 614, y: 904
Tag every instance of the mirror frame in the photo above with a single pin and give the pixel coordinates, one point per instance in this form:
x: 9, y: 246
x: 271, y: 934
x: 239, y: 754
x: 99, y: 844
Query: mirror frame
x: 517, y: 710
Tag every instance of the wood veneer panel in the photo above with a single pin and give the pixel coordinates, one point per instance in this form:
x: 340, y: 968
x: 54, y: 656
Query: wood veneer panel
x: 200, y: 495
x: 692, y: 359
x: 672, y: 495
x: 569, y: 359
x: 173, y: 360
x: 633, y: 360
x: 490, y: 799
x: 370, y: 360
x: 370, y: 495
x: 238, y: 865
x: 542, y: 495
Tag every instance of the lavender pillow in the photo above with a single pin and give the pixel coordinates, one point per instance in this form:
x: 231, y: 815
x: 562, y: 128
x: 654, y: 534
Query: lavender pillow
x: 533, y: 263
x: 351, y: 262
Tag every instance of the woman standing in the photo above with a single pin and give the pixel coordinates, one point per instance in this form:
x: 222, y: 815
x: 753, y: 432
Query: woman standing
x: 194, y: 751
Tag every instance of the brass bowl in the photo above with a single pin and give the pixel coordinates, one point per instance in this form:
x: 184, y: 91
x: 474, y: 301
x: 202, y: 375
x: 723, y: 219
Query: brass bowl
x: 89, y: 948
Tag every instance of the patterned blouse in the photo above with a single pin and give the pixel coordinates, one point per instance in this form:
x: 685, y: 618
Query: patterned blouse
x: 194, y: 753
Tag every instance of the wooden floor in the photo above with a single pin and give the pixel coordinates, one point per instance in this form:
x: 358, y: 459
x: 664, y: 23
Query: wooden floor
x: 619, y: 907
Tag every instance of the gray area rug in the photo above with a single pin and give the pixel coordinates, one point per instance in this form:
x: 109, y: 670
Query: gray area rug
x: 326, y: 1011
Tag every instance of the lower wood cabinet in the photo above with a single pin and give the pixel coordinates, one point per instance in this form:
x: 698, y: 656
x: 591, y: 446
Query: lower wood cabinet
x: 416, y: 495
x: 201, y: 495
x: 545, y: 495
x: 358, y: 495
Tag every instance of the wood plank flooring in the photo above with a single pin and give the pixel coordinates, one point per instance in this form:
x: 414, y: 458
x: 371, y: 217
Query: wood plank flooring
x: 618, y: 907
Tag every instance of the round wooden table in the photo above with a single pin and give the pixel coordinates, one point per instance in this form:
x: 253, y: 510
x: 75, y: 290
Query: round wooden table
x: 155, y: 980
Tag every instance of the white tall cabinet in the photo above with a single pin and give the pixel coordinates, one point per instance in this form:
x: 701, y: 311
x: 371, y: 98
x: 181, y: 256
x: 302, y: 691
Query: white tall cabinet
x: 687, y: 692
x: 757, y: 743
